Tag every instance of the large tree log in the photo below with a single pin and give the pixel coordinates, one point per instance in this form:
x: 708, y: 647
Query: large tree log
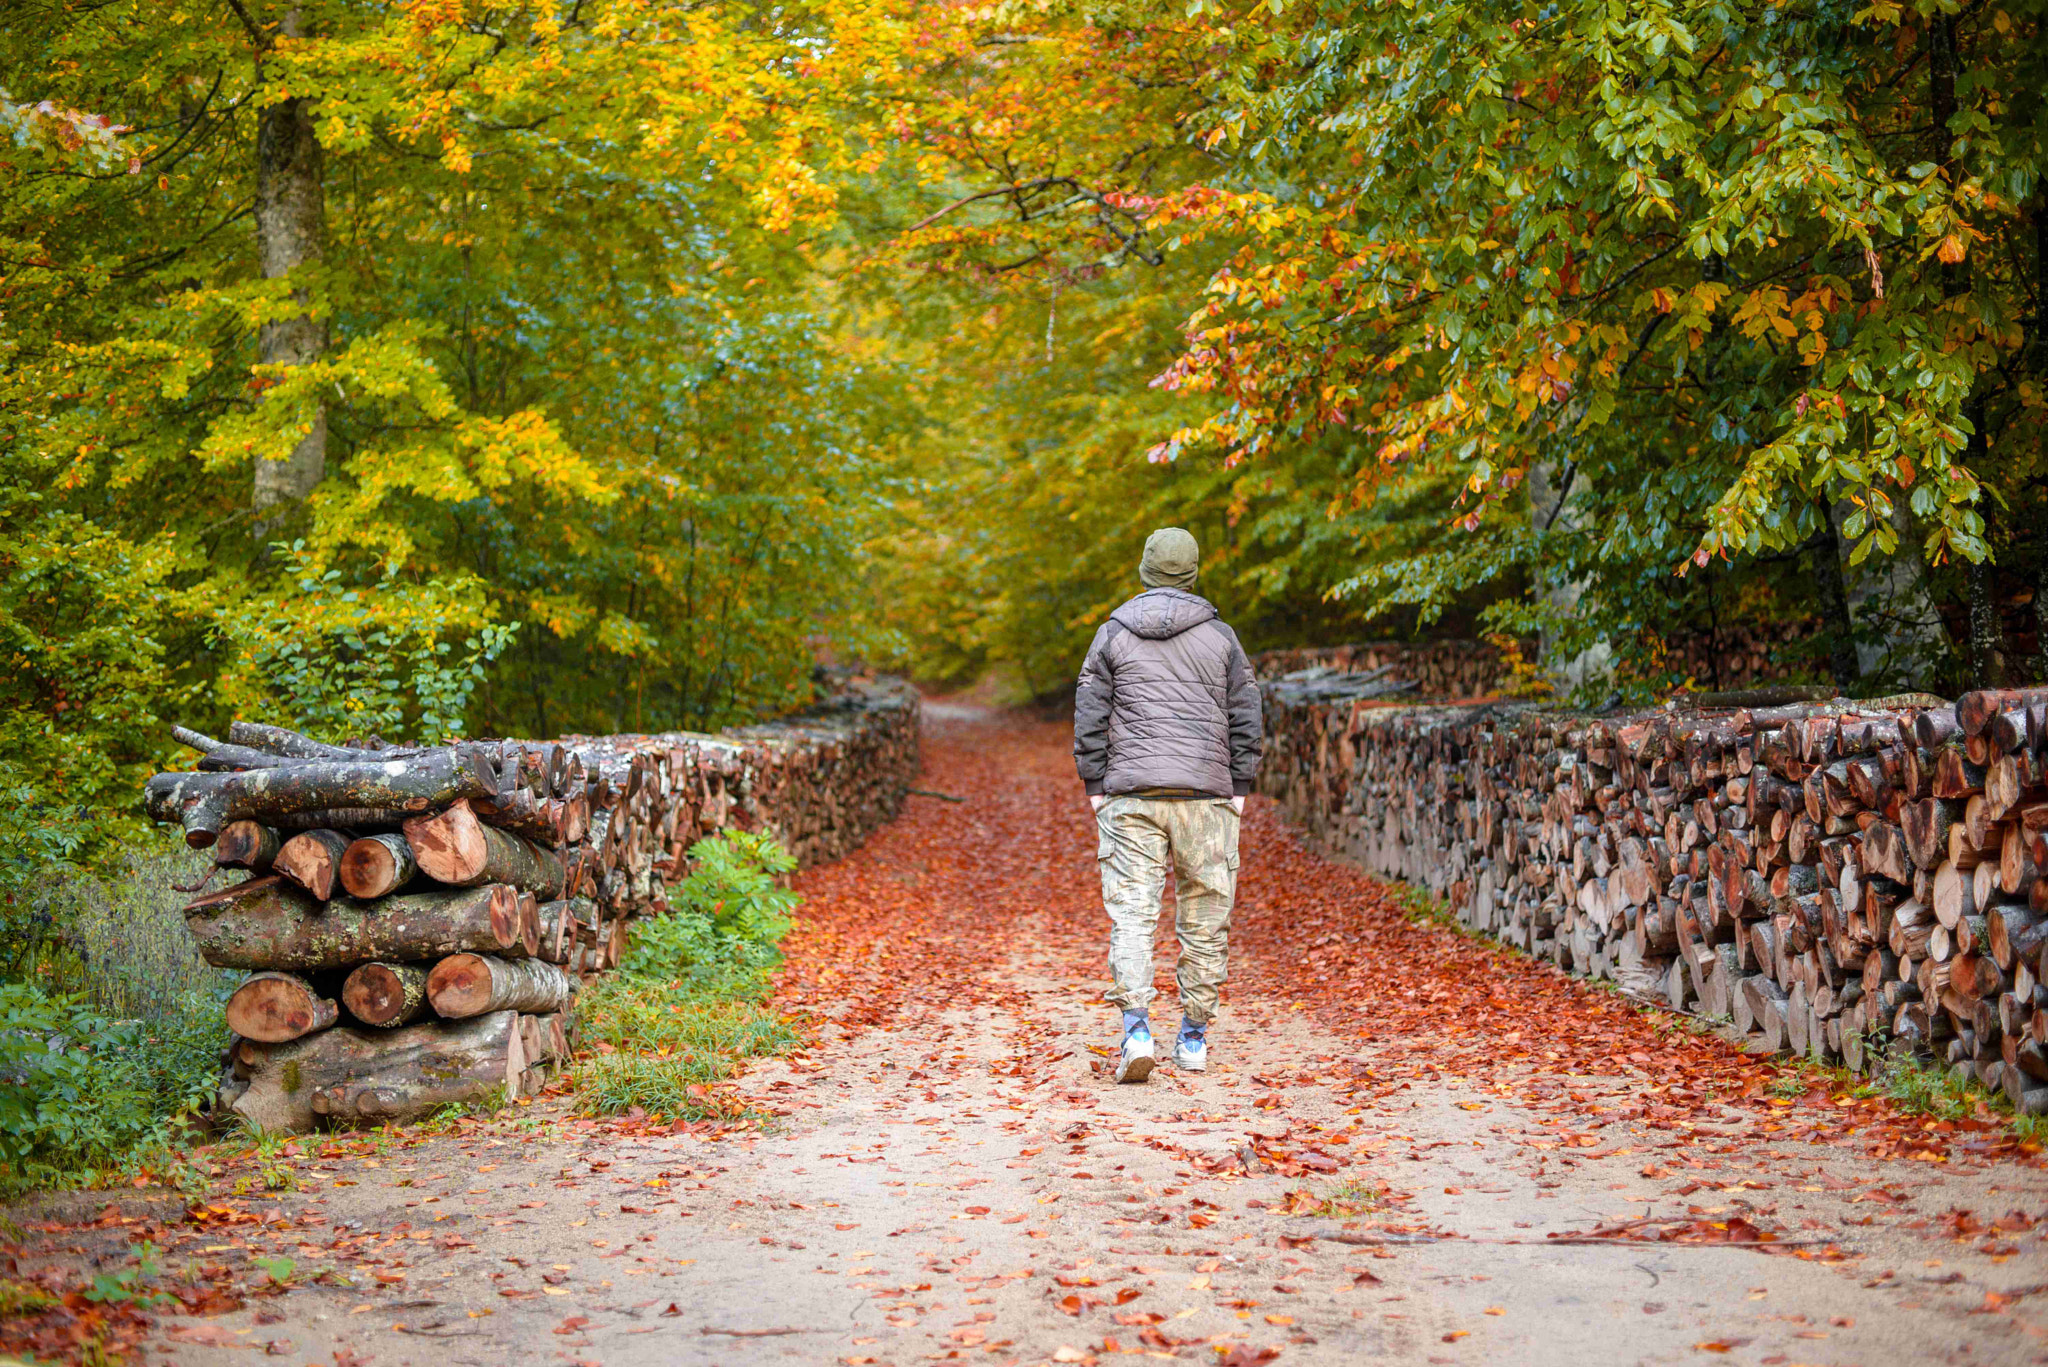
x: 471, y: 984
x: 275, y: 1007
x: 221, y: 757
x: 272, y: 926
x: 312, y: 859
x: 376, y: 865
x: 204, y: 803
x: 277, y: 740
x: 247, y: 845
x: 380, y: 1075
x: 386, y: 995
x: 456, y: 848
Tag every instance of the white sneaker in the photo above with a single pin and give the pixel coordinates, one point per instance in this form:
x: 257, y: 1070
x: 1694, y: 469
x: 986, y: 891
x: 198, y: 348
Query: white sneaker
x: 1135, y: 1063
x: 1191, y: 1054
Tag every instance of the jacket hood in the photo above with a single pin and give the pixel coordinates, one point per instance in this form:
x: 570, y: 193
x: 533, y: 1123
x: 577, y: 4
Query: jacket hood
x: 1160, y: 613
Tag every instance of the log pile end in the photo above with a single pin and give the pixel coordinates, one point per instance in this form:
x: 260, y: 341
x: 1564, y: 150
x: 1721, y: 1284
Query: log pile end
x: 416, y: 922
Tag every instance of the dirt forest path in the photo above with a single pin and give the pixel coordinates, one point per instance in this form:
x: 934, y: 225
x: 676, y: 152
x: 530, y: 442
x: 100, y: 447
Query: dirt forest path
x: 1411, y: 1147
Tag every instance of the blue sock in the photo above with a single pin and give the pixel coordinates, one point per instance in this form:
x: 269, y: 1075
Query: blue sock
x: 1190, y: 1030
x: 1136, y: 1020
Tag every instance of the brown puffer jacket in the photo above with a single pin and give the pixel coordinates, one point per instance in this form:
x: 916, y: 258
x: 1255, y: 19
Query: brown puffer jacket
x: 1167, y: 700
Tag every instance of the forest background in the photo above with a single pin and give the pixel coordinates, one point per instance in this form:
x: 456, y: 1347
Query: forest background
x: 439, y: 367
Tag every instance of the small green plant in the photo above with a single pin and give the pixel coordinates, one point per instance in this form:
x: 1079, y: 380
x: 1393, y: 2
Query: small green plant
x: 1359, y: 1195
x: 349, y: 656
x: 130, y: 1286
x: 278, y: 1270
x: 725, y: 920
x: 83, y: 1097
x: 1921, y: 1086
x: 19, y: 1300
x: 1420, y: 906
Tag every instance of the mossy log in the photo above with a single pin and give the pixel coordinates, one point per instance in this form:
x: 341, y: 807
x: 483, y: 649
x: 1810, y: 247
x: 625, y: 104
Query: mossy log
x: 386, y: 995
x: 274, y: 1007
x: 269, y: 925
x: 457, y: 848
x: 277, y: 740
x: 471, y: 984
x: 353, y: 1074
x: 204, y: 803
x: 376, y: 865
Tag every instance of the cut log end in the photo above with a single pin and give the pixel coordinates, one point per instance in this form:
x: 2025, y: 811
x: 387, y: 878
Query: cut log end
x: 276, y: 1007
x: 386, y: 995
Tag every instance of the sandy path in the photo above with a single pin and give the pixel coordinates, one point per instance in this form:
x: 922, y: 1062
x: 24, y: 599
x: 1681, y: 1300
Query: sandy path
x: 952, y: 1177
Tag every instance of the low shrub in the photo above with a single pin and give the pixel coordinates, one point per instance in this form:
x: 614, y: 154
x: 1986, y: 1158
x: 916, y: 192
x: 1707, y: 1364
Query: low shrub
x: 110, y: 1022
x: 84, y: 1096
x: 684, y: 1008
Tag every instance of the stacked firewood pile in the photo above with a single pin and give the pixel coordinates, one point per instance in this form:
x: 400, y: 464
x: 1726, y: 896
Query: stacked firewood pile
x: 1834, y: 879
x: 1435, y: 669
x: 1733, y: 657
x: 416, y: 922
x: 1743, y: 656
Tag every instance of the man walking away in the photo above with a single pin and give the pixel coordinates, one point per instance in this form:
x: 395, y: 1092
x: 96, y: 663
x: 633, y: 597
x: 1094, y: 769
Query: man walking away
x: 1167, y: 738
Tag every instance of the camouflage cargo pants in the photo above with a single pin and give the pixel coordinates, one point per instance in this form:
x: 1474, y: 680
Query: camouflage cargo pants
x: 1137, y: 839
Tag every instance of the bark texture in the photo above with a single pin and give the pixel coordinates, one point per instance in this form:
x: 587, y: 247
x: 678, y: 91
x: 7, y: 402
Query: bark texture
x: 471, y: 984
x: 273, y: 926
x: 379, y: 1075
x: 290, y: 234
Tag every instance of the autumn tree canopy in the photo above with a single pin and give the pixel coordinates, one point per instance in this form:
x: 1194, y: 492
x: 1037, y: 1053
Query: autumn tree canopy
x: 600, y: 364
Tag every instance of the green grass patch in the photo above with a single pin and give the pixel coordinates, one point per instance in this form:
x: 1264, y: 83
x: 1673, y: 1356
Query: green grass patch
x: 685, y: 1008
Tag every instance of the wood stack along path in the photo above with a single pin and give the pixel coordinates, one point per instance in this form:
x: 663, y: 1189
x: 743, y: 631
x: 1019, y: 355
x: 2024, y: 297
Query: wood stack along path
x: 1410, y: 1145
x: 1433, y: 669
x: 416, y: 922
x: 1833, y: 879
x: 1467, y: 669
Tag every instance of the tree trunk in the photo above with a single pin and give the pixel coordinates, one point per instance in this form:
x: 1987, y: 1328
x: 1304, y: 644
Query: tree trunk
x: 379, y: 1075
x: 2041, y: 570
x: 376, y: 865
x: 471, y: 984
x: 290, y: 227
x: 1834, y: 601
x: 275, y: 1007
x: 1986, y: 632
x: 386, y: 995
x: 272, y: 926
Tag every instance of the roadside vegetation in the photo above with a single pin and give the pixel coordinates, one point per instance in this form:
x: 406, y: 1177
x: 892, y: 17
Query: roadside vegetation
x: 110, y: 1023
x: 686, y: 1006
